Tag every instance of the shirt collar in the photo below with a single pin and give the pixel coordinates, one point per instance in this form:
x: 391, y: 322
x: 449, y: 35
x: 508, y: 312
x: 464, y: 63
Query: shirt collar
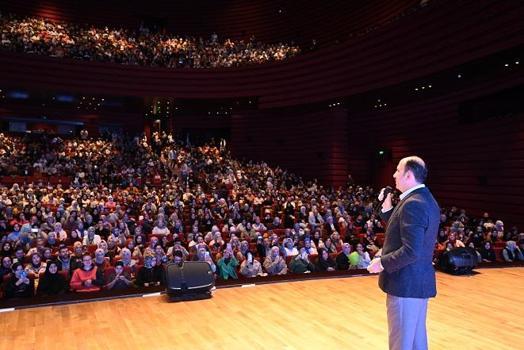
x: 404, y: 194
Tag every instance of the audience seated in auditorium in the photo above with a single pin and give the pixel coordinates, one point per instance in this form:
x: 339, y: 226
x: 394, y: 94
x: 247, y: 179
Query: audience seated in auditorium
x: 59, y: 39
x: 207, y: 202
x: 118, y: 277
x: 5, y: 267
x: 178, y: 257
x: 364, y: 258
x: 289, y: 248
x: 203, y: 255
x: 342, y: 259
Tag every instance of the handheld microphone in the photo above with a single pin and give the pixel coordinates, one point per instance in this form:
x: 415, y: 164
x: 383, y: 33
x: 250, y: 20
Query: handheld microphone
x: 387, y: 190
x: 381, y: 199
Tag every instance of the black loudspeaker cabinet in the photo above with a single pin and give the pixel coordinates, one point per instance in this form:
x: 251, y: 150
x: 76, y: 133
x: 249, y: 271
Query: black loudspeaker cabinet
x: 190, y: 280
x: 459, y: 261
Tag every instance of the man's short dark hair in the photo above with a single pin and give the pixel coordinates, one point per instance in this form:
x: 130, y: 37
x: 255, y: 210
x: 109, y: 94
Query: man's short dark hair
x: 419, y: 170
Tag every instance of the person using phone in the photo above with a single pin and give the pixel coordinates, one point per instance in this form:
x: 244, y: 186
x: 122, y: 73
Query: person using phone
x: 203, y: 255
x: 227, y: 265
x: 251, y: 267
x: 19, y: 285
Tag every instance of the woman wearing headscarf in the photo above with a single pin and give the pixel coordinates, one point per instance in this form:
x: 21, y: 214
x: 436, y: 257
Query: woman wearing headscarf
x: 325, y: 263
x: 20, y: 285
x: 52, y: 282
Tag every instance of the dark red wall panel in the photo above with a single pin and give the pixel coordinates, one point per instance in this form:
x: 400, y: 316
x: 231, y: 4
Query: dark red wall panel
x: 268, y: 20
x: 476, y: 165
x: 313, y: 144
x: 436, y: 38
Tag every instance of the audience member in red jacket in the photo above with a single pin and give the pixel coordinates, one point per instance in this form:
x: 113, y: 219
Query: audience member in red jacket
x: 86, y: 278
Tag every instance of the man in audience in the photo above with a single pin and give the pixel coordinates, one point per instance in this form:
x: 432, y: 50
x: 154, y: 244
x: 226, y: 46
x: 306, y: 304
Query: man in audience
x: 64, y: 260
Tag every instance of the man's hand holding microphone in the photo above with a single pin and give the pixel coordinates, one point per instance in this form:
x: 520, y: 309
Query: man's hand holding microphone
x: 385, y: 195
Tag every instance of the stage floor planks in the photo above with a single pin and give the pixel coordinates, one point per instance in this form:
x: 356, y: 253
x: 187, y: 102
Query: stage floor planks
x: 484, y: 311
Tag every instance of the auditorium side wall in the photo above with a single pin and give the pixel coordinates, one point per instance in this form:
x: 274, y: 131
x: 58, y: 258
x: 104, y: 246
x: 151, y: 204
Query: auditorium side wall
x: 478, y: 165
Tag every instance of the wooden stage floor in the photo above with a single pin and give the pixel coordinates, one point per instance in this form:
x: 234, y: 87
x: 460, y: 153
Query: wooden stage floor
x: 484, y: 311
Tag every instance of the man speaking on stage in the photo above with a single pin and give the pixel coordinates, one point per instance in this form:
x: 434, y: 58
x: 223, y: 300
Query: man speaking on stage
x: 405, y: 263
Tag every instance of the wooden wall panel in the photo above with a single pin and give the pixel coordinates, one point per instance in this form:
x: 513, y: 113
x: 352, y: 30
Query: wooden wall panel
x: 478, y: 166
x: 297, y: 20
x: 407, y: 49
x: 312, y: 144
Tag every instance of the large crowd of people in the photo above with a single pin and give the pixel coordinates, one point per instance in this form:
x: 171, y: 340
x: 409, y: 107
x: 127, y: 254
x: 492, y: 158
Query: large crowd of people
x: 142, y: 47
x: 135, y: 204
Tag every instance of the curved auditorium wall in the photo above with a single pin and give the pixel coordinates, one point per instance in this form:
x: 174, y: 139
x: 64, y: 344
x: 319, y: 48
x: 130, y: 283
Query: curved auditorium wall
x: 267, y: 20
x: 475, y: 162
x: 439, y: 37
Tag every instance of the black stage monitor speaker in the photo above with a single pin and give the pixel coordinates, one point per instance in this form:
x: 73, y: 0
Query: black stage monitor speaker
x: 459, y: 261
x: 189, y: 280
